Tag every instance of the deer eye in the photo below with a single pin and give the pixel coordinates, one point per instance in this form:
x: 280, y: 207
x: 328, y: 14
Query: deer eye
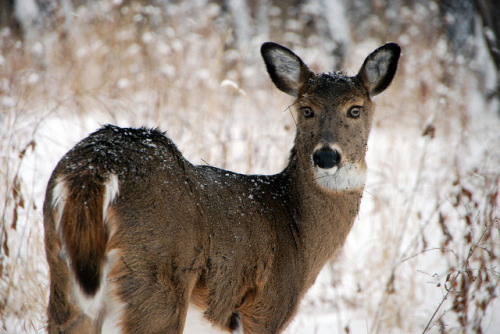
x: 354, y: 112
x: 308, y: 113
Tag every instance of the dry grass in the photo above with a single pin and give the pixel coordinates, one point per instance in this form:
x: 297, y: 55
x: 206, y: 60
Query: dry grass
x: 423, y: 253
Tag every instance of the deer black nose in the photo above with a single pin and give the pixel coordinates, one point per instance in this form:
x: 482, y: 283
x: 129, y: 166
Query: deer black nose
x: 326, y: 158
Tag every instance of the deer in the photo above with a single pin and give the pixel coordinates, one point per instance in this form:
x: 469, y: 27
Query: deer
x: 135, y: 233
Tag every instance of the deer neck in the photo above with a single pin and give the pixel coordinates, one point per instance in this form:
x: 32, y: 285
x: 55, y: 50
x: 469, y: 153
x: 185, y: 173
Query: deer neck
x: 324, y: 217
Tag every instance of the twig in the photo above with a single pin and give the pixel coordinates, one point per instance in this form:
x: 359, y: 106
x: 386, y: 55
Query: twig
x: 452, y: 282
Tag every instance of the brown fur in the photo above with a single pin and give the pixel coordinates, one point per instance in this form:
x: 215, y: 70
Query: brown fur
x: 244, y: 248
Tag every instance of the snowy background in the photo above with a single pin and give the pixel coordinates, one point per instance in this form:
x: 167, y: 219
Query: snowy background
x: 423, y: 254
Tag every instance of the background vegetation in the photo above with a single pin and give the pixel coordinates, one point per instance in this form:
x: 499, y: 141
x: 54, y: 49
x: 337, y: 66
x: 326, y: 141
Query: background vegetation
x: 423, y: 254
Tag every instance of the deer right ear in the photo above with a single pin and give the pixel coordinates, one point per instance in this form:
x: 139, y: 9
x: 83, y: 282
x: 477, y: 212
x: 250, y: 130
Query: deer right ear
x: 287, y: 70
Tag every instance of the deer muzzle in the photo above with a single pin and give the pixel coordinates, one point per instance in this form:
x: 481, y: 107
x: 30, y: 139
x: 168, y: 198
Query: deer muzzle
x: 332, y: 172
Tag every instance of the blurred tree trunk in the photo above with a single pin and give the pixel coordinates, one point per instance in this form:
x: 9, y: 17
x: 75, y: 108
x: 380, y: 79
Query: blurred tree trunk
x: 489, y: 10
x: 459, y: 21
x: 8, y: 18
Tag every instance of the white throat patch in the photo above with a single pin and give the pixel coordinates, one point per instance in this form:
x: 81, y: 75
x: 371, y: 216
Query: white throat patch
x: 347, y: 177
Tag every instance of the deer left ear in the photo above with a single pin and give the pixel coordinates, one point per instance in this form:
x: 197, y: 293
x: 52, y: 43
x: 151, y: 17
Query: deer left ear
x: 379, y: 68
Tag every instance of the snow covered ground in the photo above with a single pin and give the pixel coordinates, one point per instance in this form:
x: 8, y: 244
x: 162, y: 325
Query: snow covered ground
x: 424, y: 250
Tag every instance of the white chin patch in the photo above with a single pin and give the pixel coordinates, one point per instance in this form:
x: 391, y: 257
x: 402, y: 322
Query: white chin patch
x: 347, y: 177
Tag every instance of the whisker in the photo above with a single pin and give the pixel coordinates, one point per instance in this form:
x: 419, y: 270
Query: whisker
x: 289, y: 108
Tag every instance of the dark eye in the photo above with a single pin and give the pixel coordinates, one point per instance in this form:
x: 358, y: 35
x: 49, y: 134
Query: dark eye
x: 354, y: 112
x: 307, y: 112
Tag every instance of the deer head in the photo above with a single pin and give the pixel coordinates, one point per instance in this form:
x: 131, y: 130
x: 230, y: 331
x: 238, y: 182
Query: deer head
x: 334, y: 112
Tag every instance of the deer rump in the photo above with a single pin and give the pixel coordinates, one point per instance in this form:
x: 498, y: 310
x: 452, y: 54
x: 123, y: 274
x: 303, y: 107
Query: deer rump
x: 134, y: 232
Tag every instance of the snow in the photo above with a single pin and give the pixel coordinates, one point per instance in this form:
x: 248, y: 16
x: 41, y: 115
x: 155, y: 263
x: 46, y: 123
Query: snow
x: 173, y: 77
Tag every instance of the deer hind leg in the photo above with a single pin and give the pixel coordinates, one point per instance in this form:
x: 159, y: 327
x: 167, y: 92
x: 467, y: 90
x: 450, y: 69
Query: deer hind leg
x: 71, y: 311
x: 64, y: 316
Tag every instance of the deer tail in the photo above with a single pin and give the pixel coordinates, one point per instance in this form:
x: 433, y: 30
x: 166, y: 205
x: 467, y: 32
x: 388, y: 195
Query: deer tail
x: 80, y: 207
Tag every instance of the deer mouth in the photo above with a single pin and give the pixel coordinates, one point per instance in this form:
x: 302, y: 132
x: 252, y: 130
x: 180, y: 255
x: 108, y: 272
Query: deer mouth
x: 343, y: 177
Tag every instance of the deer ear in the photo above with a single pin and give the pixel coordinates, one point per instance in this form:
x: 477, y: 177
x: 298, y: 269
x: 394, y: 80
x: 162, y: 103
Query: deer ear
x: 287, y: 70
x: 379, y: 68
